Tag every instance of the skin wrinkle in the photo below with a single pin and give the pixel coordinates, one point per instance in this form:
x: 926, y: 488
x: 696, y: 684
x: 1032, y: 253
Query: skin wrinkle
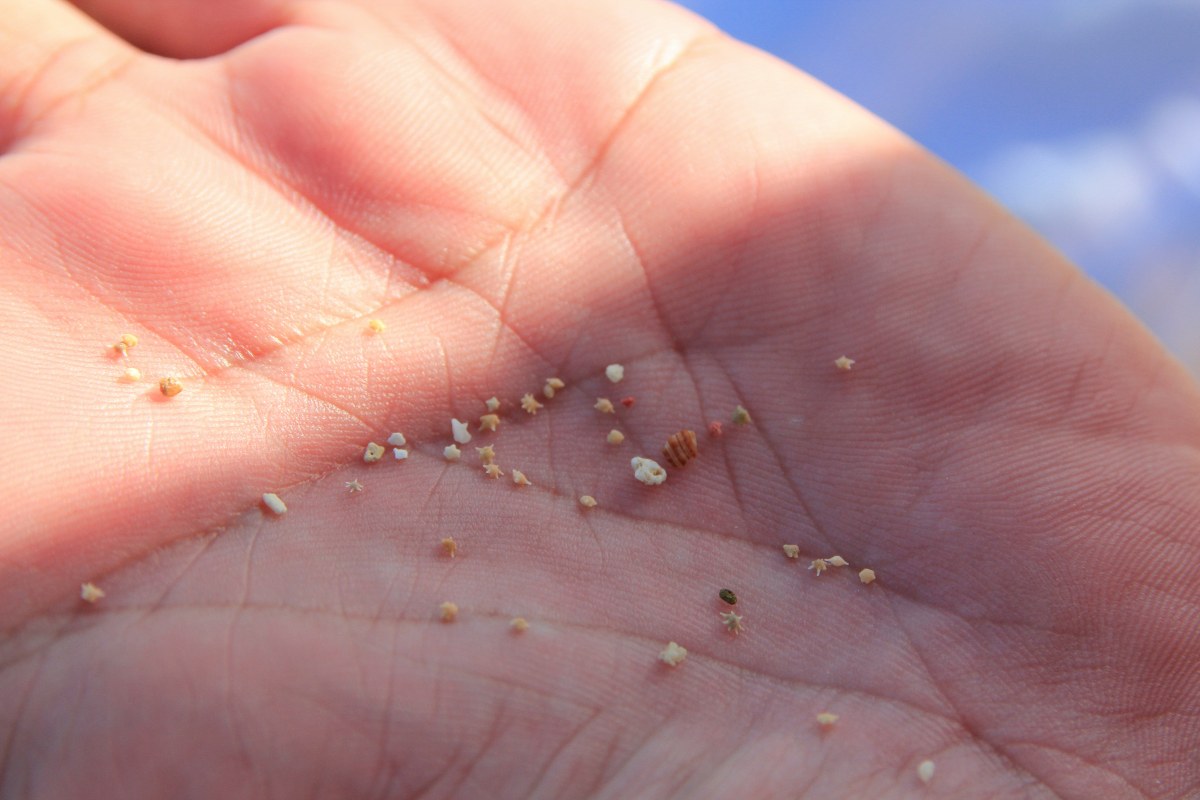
x: 64, y: 732
x: 251, y: 354
x: 969, y: 261
x: 231, y: 714
x: 995, y: 749
x: 302, y: 203
x: 279, y: 182
x: 569, y: 499
x: 663, y: 324
x: 552, y: 758
x: 557, y: 199
x: 113, y: 71
x: 208, y: 540
x: 509, y: 266
x: 472, y: 103
x: 64, y: 265
x: 640, y: 99
x: 1105, y: 769
x: 346, y: 629
x: 383, y: 744
x: 882, y: 201
x: 237, y: 513
x: 647, y: 643
x: 15, y: 728
x: 1061, y: 293
x: 782, y: 465
x: 338, y: 466
x: 22, y: 121
x: 572, y: 185
x: 424, y: 789
x: 528, y: 148
x: 504, y: 324
x: 733, y: 481
x: 433, y: 453
x: 394, y: 579
x: 318, y: 789
x: 494, y: 735
x: 628, y: 762
x: 446, y: 370
x: 312, y: 395
x: 117, y: 770
x: 604, y: 766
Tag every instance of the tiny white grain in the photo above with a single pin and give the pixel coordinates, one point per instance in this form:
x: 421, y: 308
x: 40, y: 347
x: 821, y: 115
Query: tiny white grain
x: 673, y: 654
x: 647, y: 471
x: 272, y: 501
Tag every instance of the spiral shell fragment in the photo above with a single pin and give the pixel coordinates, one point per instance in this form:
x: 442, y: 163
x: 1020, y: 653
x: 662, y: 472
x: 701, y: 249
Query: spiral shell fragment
x: 680, y: 448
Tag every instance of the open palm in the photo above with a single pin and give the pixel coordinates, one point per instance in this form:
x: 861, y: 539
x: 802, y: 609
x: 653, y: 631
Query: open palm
x: 521, y: 190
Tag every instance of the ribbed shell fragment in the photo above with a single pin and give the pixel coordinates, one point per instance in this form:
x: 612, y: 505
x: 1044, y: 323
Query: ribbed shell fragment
x: 680, y: 448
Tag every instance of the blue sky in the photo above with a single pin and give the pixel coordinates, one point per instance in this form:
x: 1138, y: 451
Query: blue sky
x: 1082, y: 116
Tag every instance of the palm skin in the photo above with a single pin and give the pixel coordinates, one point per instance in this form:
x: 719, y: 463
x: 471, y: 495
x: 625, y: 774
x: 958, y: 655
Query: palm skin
x: 522, y: 190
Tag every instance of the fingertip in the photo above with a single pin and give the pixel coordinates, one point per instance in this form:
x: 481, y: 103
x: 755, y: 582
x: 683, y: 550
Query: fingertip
x: 186, y: 29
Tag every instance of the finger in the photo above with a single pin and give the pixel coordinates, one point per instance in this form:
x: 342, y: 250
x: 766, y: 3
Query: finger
x: 186, y: 28
x: 48, y: 52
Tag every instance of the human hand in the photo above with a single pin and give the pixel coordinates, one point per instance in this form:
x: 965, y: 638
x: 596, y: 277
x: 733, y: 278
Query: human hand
x: 520, y: 190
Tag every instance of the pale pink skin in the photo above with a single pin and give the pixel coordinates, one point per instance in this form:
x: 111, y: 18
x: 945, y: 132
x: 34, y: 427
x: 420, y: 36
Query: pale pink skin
x: 533, y: 189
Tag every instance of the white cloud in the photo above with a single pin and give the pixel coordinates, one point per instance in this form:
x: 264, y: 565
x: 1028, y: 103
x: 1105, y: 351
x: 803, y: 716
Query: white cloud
x: 1102, y: 187
x: 1172, y: 138
x: 1096, y: 187
x: 1090, y: 13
